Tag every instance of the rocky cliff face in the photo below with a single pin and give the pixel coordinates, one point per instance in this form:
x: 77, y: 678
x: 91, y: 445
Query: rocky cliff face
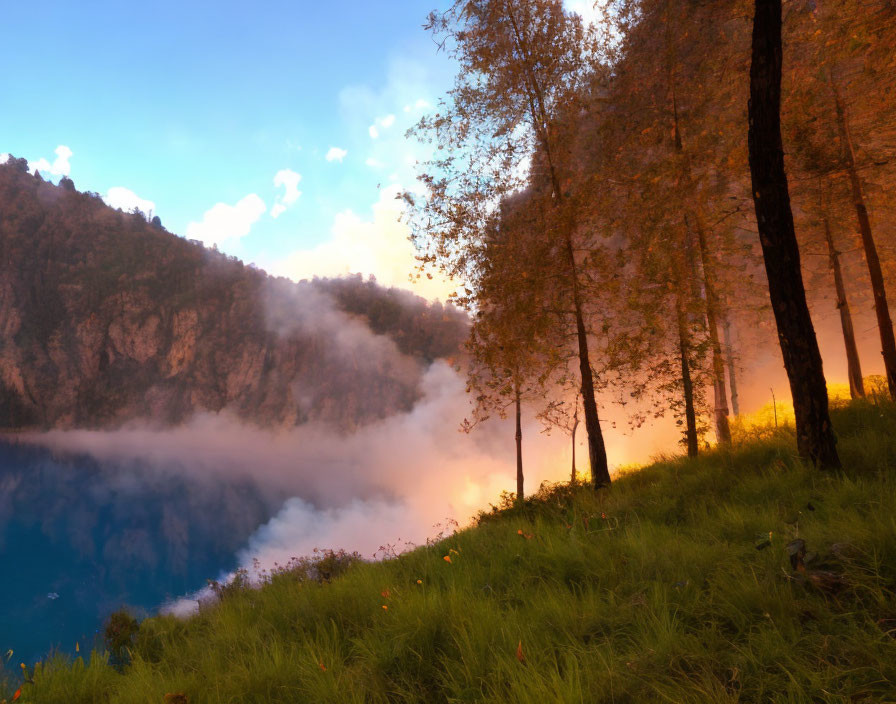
x: 106, y: 319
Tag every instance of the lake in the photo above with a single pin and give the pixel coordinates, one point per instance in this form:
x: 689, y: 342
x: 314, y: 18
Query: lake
x: 79, y: 539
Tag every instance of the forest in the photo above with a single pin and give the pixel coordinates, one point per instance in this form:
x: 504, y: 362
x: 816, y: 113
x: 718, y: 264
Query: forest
x: 622, y: 200
x: 109, y: 318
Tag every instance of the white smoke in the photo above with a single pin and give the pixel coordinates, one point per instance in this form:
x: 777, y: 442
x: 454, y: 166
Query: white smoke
x: 388, y: 482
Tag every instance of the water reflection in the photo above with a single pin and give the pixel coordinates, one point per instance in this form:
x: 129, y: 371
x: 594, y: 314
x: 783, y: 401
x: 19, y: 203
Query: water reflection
x: 80, y: 538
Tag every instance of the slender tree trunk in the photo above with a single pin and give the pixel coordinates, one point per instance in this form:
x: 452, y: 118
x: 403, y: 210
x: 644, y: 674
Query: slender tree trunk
x: 881, y: 307
x: 575, y: 427
x: 519, y: 447
x: 597, y: 452
x: 720, y: 393
x: 854, y: 367
x: 732, y: 376
x: 684, y: 348
x: 799, y: 347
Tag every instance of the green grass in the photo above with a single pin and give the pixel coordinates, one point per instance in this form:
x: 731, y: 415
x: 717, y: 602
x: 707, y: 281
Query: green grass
x: 653, y: 591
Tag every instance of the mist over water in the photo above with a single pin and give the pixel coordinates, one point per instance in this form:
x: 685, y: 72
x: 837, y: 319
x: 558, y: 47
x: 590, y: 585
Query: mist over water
x: 143, y: 517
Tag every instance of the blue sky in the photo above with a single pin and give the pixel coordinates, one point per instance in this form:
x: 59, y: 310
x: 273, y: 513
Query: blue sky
x: 222, y: 115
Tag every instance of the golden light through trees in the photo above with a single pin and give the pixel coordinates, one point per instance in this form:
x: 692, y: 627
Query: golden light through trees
x: 593, y: 189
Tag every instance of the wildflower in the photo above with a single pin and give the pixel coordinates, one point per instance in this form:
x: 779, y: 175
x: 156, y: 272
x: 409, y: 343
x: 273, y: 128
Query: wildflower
x: 385, y: 593
x: 527, y: 536
x: 447, y: 558
x: 77, y: 647
x: 385, y: 608
x: 322, y: 667
x: 419, y: 581
x: 17, y: 694
x: 456, y: 552
x: 519, y: 652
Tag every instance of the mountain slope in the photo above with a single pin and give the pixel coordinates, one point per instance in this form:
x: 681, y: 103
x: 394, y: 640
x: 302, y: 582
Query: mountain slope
x: 105, y: 319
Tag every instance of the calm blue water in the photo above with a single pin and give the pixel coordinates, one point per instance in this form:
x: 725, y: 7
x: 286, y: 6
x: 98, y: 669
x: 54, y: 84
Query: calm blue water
x: 79, y: 539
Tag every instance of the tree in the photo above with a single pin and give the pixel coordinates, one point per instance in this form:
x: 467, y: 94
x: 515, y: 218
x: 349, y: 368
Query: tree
x: 815, y: 437
x: 827, y: 41
x: 563, y: 415
x: 881, y: 307
x: 522, y: 63
x: 851, y: 51
x: 511, y: 356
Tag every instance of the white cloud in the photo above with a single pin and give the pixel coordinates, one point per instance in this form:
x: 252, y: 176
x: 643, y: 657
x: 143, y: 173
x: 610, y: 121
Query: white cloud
x: 421, y: 104
x: 379, y: 246
x: 289, y: 181
x: 4, y: 158
x: 586, y: 9
x: 336, y: 154
x: 126, y: 200
x: 59, y: 167
x: 380, y: 122
x: 227, y: 223
x: 374, y: 163
x: 378, y: 112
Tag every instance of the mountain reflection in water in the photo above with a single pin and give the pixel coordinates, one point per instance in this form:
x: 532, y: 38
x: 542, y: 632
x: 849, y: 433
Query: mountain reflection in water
x: 79, y: 539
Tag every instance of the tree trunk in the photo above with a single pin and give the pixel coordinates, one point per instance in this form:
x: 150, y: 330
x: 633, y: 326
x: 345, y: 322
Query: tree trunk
x: 881, y: 307
x: 854, y: 368
x: 732, y: 376
x: 799, y: 347
x: 575, y: 427
x: 519, y: 448
x: 720, y: 392
x: 684, y: 347
x: 597, y: 452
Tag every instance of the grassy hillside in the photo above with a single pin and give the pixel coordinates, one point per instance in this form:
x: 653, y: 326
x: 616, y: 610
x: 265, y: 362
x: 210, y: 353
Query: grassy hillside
x: 677, y: 585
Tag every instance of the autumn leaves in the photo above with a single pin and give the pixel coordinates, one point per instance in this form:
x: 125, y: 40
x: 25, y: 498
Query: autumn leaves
x: 593, y: 191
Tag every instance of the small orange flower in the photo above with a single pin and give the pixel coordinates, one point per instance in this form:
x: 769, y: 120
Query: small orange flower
x: 322, y: 666
x: 385, y: 593
x: 385, y: 608
x: 519, y: 652
x: 419, y: 581
x: 17, y: 694
x: 447, y: 558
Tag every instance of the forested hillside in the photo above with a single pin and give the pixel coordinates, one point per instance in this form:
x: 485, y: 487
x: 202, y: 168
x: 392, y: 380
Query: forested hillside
x: 107, y: 318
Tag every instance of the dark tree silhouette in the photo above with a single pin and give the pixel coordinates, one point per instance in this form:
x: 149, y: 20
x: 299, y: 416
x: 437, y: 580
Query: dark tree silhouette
x: 815, y: 437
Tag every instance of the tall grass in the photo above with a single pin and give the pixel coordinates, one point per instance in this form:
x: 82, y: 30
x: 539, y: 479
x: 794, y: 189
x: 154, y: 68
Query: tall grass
x: 673, y: 586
